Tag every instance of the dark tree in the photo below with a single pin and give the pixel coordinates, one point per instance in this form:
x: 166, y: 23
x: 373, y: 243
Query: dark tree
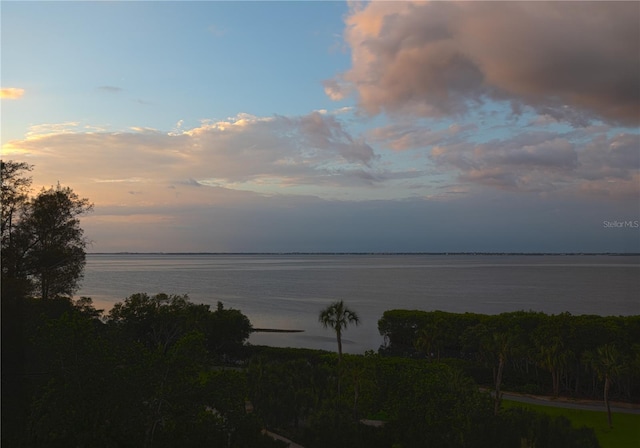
x: 14, y: 198
x: 227, y: 330
x: 53, y: 242
x: 338, y: 316
x: 606, y: 363
x: 14, y: 193
x: 158, y: 321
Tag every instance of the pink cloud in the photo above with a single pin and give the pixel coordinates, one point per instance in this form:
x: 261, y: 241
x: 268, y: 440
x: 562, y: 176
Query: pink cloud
x: 574, y: 61
x: 545, y: 162
x: 312, y: 149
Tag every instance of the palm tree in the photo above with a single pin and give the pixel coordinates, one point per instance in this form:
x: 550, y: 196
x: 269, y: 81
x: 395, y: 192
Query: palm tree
x: 501, y: 346
x: 606, y: 363
x: 494, y: 347
x: 338, y: 316
x: 553, y: 356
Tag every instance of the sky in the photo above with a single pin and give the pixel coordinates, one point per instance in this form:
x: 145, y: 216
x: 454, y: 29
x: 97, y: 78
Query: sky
x: 332, y: 126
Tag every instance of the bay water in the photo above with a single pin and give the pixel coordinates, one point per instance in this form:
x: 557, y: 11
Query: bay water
x: 287, y: 291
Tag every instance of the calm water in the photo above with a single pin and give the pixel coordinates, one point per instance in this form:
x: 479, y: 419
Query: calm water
x: 288, y: 291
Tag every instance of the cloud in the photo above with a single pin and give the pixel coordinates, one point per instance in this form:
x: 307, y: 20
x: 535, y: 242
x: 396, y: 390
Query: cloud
x: 110, y: 89
x: 316, y: 154
x: 252, y: 183
x: 404, y: 136
x: 573, y: 61
x: 44, y: 129
x: 336, y: 89
x: 11, y: 93
x: 544, y: 162
x: 306, y: 150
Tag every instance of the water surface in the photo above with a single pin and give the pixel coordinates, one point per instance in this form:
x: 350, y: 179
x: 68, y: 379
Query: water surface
x: 288, y: 291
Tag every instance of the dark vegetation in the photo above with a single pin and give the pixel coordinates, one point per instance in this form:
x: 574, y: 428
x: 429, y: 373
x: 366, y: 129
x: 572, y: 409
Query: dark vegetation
x: 144, y: 375
x: 156, y: 372
x: 161, y: 371
x: 583, y: 356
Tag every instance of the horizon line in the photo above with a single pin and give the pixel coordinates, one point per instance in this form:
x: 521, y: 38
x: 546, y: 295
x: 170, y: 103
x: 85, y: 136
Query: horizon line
x: 364, y: 253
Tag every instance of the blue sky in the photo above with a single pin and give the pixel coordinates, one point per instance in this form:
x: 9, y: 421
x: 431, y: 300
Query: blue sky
x: 155, y: 63
x: 329, y: 126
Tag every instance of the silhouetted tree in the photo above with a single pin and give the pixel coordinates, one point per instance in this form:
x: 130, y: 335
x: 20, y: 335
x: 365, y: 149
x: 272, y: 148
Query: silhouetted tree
x: 606, y: 363
x: 160, y: 320
x: 493, y: 348
x: 338, y: 316
x: 53, y: 240
x: 43, y: 245
x: 13, y: 200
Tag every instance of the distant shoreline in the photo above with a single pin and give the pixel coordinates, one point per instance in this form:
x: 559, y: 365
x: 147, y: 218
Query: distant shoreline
x: 616, y: 254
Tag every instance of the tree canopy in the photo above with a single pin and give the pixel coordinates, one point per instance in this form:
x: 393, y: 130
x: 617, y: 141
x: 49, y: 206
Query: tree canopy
x: 43, y: 245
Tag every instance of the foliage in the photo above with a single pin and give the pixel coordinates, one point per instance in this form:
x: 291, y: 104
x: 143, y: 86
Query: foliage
x: 431, y: 404
x: 523, y: 427
x: 158, y: 321
x: 226, y: 330
x: 146, y: 377
x: 423, y: 404
x: 43, y: 245
x: 54, y: 242
x: 13, y: 192
x: 540, y: 353
x: 333, y: 425
x: 14, y: 196
x: 284, y: 392
x: 338, y: 317
x: 625, y: 434
x: 90, y: 383
x: 606, y: 363
x: 42, y: 253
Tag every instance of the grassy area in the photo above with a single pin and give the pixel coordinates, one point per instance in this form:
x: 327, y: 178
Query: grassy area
x: 625, y: 432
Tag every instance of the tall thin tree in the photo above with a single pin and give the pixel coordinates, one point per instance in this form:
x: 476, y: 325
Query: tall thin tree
x: 606, y: 362
x: 15, y: 183
x: 338, y: 316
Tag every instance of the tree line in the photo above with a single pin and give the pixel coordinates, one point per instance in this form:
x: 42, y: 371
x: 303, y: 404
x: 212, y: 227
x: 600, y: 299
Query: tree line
x: 161, y: 371
x: 584, y: 356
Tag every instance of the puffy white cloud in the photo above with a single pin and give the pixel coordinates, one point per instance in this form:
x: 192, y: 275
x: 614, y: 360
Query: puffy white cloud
x: 574, y: 61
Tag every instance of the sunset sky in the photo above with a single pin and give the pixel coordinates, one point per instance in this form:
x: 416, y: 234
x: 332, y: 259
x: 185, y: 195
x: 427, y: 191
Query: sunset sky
x: 332, y: 126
